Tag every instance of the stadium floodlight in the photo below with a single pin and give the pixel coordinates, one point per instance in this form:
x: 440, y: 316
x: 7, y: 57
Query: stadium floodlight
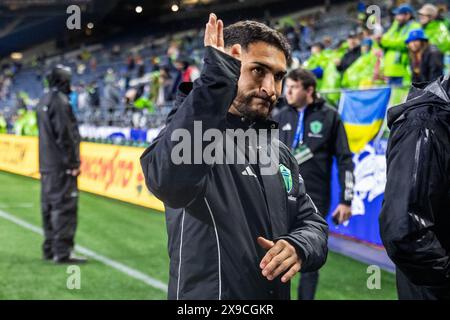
x: 175, y: 8
x: 138, y: 9
x: 16, y: 56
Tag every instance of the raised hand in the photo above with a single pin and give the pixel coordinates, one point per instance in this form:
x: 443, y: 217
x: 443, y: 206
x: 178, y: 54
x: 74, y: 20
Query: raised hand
x: 214, y: 33
x: 214, y: 37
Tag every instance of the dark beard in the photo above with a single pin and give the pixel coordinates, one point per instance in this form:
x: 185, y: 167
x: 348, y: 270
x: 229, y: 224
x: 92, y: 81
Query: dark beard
x: 243, y: 106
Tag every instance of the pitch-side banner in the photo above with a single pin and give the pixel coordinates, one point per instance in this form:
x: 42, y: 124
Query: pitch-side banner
x: 362, y: 113
x: 19, y: 155
x: 107, y: 170
x: 115, y: 172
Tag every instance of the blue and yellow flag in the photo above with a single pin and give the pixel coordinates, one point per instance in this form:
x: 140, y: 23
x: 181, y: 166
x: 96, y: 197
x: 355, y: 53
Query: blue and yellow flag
x: 363, y: 112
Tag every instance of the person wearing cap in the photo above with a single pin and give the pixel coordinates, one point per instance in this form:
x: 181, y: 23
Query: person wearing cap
x: 393, y: 44
x: 321, y: 64
x: 435, y: 29
x: 443, y: 12
x: 353, y: 52
x: 59, y: 166
x: 317, y: 61
x: 426, y: 61
x: 365, y: 72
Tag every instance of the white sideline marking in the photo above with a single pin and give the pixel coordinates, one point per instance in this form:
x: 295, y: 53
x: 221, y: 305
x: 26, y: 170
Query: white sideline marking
x: 23, y: 205
x: 133, y: 273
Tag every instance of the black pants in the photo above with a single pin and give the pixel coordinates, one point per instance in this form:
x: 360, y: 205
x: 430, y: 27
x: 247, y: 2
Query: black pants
x: 406, y: 290
x: 59, y: 200
x: 307, y: 286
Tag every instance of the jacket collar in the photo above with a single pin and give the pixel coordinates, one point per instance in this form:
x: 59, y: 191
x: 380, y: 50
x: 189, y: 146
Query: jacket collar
x: 317, y: 104
x: 241, y: 122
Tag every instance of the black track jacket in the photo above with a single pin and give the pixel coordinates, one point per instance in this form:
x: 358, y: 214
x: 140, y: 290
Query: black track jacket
x: 215, y: 213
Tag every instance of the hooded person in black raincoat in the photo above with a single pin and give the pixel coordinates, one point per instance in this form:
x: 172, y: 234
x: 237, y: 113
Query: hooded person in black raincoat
x: 59, y: 166
x: 415, y: 219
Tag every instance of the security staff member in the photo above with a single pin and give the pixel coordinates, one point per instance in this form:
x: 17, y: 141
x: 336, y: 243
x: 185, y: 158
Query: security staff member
x: 315, y: 134
x: 59, y: 163
x: 235, y: 231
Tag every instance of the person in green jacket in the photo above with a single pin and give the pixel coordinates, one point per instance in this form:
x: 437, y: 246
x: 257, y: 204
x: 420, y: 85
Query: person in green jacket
x: 393, y: 42
x: 3, y: 124
x: 322, y: 66
x: 365, y: 72
x: 26, y: 123
x: 317, y: 61
x: 443, y: 13
x: 435, y: 30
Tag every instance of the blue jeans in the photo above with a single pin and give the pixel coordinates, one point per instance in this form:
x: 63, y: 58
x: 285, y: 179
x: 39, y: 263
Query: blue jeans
x: 395, y: 81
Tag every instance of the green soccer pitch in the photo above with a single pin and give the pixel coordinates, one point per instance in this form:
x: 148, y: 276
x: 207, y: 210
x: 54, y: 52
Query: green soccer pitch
x: 127, y: 247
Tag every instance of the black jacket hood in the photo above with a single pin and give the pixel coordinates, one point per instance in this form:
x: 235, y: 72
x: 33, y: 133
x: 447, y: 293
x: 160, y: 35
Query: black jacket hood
x: 434, y: 93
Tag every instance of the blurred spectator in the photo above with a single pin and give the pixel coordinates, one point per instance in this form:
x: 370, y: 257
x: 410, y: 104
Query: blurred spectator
x: 83, y: 98
x: 111, y: 93
x: 93, y: 64
x: 426, y: 60
x: 435, y: 30
x: 317, y: 61
x: 94, y: 95
x: 353, y: 52
x: 3, y: 124
x: 327, y: 42
x: 189, y: 72
x: 115, y: 50
x: 393, y: 42
x: 293, y: 38
x: 140, y: 67
x: 131, y: 63
x: 73, y: 100
x: 443, y: 13
x: 165, y: 84
x: 365, y: 72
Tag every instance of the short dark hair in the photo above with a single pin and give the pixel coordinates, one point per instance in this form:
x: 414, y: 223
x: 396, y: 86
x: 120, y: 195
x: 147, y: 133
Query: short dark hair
x: 318, y: 44
x: 248, y: 32
x: 306, y: 77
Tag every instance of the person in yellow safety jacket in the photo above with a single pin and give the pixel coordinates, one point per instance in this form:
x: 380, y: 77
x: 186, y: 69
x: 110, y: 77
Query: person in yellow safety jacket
x: 3, y: 124
x: 436, y: 31
x: 317, y: 62
x: 366, y: 71
x: 393, y: 42
x: 322, y: 65
x: 26, y: 123
x: 443, y: 13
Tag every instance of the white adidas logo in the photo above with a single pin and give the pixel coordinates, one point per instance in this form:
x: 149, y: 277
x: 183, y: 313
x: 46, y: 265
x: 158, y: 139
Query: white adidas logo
x: 287, y: 127
x: 248, y: 172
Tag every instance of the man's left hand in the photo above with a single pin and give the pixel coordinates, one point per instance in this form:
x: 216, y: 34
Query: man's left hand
x: 281, y: 256
x: 75, y: 172
x: 342, y: 213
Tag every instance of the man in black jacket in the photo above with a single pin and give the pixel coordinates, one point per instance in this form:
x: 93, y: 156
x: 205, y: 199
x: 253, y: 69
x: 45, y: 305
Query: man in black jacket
x: 59, y: 162
x: 236, y: 230
x: 415, y: 219
x: 426, y: 61
x: 316, y: 134
x: 352, y: 54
